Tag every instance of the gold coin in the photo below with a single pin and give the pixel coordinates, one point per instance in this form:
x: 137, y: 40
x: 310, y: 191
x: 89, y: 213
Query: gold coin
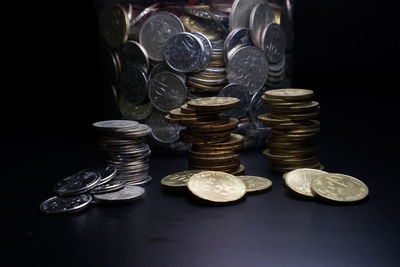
x: 217, y: 127
x: 300, y: 180
x: 217, y: 186
x: 339, y: 187
x: 223, y: 167
x: 178, y: 179
x: 214, y: 103
x: 215, y: 160
x: 212, y: 153
x: 271, y: 121
x: 194, y: 25
x: 255, y: 183
x: 289, y: 94
x: 203, y: 87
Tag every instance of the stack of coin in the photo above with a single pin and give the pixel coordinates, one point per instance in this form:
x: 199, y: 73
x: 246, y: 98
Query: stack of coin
x: 214, y: 145
x: 124, y: 147
x: 335, y: 187
x: 292, y: 143
x: 94, y: 184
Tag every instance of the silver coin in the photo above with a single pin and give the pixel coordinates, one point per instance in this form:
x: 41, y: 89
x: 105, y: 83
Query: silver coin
x: 156, y: 31
x: 116, y: 124
x: 133, y: 85
x: 129, y: 192
x: 56, y: 205
x: 248, y: 66
x: 107, y: 173
x: 132, y: 54
x: 204, y: 13
x: 163, y: 67
x: 143, y: 182
x: 260, y: 17
x: 207, y: 81
x: 257, y: 107
x: 163, y: 131
x: 108, y: 187
x: 237, y: 38
x: 207, y: 45
x: 273, y: 42
x: 278, y: 66
x: 240, y: 14
x: 240, y: 92
x: 166, y: 91
x: 185, y: 52
x: 77, y: 183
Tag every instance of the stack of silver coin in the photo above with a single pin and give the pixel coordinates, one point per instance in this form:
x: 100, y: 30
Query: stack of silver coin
x: 122, y: 141
x: 165, y: 55
x: 92, y: 185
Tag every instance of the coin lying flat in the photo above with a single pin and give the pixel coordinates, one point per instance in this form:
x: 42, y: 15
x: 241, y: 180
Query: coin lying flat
x: 217, y: 186
x: 77, y: 183
x: 300, y: 180
x: 107, y: 173
x: 214, y: 103
x: 339, y: 187
x: 289, y: 94
x: 115, y: 124
x: 179, y: 179
x: 56, y: 205
x: 108, y: 187
x: 255, y: 183
x: 129, y: 192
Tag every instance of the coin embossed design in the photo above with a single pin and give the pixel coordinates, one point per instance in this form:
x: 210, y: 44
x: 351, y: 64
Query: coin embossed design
x: 56, y: 205
x: 217, y: 186
x: 255, y: 183
x: 273, y: 42
x: 77, y: 183
x: 129, y: 192
x: 339, y: 187
x: 299, y: 180
x: 156, y: 31
x: 289, y: 94
x: 216, y: 103
x: 248, y: 66
x: 179, y: 179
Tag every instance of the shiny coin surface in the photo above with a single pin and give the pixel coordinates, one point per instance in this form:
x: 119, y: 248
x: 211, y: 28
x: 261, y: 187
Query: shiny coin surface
x: 240, y: 14
x: 255, y: 183
x: 133, y: 85
x: 195, y: 25
x: 114, y: 25
x: 261, y: 15
x: 77, y: 183
x: 339, y: 187
x: 237, y: 38
x: 213, y: 103
x: 108, y: 187
x: 248, y: 66
x: 129, y: 192
x: 273, y: 42
x: 116, y: 124
x: 208, y: 49
x: 179, y: 179
x: 289, y: 94
x: 167, y: 91
x: 257, y: 107
x: 156, y: 31
x: 107, y: 173
x: 133, y: 54
x: 185, y: 52
x: 163, y: 131
x: 240, y: 92
x: 56, y: 205
x: 300, y: 180
x: 216, y: 186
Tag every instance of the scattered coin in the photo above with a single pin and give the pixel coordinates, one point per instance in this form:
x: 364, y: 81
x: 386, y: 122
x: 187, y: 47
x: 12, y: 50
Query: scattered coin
x: 57, y: 205
x: 129, y: 192
x: 108, y: 187
x: 255, y: 183
x: 77, y: 183
x: 179, y: 179
x: 299, y: 180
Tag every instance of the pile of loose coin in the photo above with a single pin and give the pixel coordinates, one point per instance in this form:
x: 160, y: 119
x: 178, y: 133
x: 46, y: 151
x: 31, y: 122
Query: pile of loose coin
x: 122, y: 142
x: 333, y: 187
x: 215, y: 186
x: 92, y: 185
x: 214, y: 145
x: 292, y: 143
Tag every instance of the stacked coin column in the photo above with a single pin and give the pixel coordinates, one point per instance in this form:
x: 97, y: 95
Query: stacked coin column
x: 123, y: 144
x: 292, y: 143
x: 214, y: 145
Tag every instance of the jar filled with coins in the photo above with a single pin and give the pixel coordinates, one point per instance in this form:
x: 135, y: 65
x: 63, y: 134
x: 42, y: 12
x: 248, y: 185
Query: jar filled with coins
x: 159, y: 55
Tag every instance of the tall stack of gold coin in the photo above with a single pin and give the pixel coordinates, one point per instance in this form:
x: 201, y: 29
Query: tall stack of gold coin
x: 292, y: 143
x: 214, y: 145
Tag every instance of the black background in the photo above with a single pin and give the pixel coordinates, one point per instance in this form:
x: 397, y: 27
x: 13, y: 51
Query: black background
x: 51, y: 93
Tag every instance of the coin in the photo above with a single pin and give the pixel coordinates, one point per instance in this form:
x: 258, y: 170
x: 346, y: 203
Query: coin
x: 156, y: 31
x: 237, y: 38
x: 216, y: 186
x: 131, y: 111
x: 129, y: 192
x: 163, y: 67
x: 213, y: 103
x: 339, y: 187
x: 240, y: 92
x: 248, y: 66
x: 240, y: 14
x: 133, y: 85
x: 289, y: 94
x: 261, y: 15
x: 207, y: 81
x: 195, y: 25
x: 108, y: 187
x: 57, y: 205
x: 208, y: 49
x: 114, y: 25
x: 112, y: 66
x: 166, y: 91
x: 179, y: 179
x: 273, y: 42
x: 161, y: 130
x: 115, y: 124
x: 133, y: 54
x: 255, y: 183
x: 107, y: 173
x: 300, y: 180
x: 77, y: 183
x: 142, y: 181
x: 202, y: 11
